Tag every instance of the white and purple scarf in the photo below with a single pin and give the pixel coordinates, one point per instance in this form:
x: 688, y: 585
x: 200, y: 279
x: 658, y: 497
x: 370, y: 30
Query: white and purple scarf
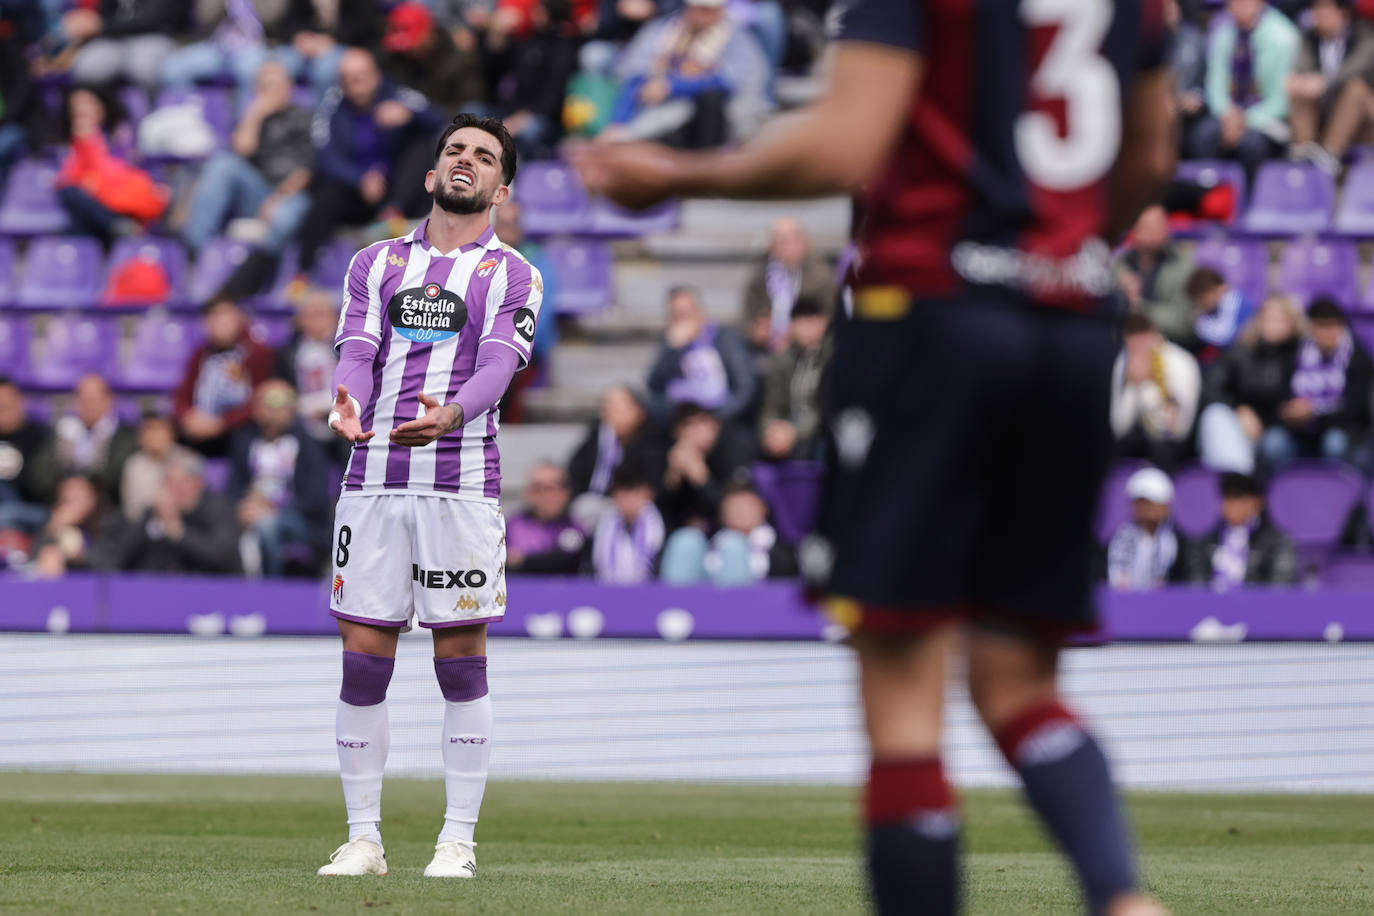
x: 625, y: 555
x: 1232, y: 557
x: 1320, y: 378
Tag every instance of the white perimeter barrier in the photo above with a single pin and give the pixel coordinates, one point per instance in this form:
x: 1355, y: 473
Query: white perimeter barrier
x: 1238, y: 717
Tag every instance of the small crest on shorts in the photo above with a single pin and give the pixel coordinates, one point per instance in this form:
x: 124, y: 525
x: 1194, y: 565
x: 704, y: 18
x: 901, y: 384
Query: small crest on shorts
x: 466, y: 603
x: 338, y: 588
x: 486, y: 267
x: 396, y: 260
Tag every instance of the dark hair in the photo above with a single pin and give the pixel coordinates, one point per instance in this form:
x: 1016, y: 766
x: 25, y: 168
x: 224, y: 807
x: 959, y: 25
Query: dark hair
x: 1324, y: 308
x: 629, y: 476
x: 115, y: 113
x: 494, y: 126
x: 688, y: 410
x: 808, y: 307
x: 1203, y: 281
x: 7, y: 382
x: 1234, y: 485
x: 683, y: 289
x: 1137, y: 323
x: 221, y: 299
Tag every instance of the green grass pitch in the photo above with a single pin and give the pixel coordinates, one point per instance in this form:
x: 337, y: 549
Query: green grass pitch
x: 93, y: 844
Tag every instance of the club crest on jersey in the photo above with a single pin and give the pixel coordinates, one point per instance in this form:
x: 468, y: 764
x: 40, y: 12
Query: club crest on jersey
x: 486, y: 267
x: 427, y: 314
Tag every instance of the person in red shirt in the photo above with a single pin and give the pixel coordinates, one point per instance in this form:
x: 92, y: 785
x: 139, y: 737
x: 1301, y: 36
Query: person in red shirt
x: 216, y: 395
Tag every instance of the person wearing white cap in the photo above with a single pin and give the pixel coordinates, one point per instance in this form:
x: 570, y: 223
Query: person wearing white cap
x: 692, y: 80
x: 1144, y: 552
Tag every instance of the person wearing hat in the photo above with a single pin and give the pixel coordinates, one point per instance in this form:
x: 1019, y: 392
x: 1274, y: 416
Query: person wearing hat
x: 1145, y: 553
x: 1244, y: 548
x: 693, y: 79
x: 419, y: 54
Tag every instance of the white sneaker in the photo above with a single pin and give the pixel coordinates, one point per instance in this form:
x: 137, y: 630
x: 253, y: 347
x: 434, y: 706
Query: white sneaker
x: 454, y: 859
x: 356, y: 857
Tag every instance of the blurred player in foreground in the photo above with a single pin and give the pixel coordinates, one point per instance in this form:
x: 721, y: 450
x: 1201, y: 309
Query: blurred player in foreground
x: 434, y: 326
x: 998, y: 145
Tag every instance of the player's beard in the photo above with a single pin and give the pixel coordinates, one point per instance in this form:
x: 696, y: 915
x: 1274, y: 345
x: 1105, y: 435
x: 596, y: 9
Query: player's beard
x: 463, y: 205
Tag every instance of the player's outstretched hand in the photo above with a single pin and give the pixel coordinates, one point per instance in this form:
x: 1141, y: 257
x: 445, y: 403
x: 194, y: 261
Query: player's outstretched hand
x: 436, y: 420
x: 344, y: 419
x: 635, y: 175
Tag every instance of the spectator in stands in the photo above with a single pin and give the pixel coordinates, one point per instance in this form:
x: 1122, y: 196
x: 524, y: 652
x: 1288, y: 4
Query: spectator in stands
x: 22, y: 114
x: 279, y: 477
x: 307, y: 364
x: 91, y: 440
x: 146, y: 470
x: 1248, y: 384
x: 315, y: 35
x: 266, y: 172
x: 692, y: 79
x: 543, y: 538
x: 232, y: 44
x: 187, y: 529
x: 1328, y: 415
x: 1155, y: 390
x: 68, y: 539
x: 1145, y: 552
x: 629, y: 534
x: 1330, y: 95
x: 215, y: 396
x: 790, y: 419
x: 28, y: 476
x: 1250, y: 57
x: 745, y: 549
x: 508, y: 229
x: 1188, y: 62
x: 374, y: 142
x: 704, y: 459
x: 534, y: 47
x: 700, y: 362
x: 423, y: 56
x: 1222, y: 312
x: 621, y: 436
x: 124, y: 39
x: 1153, y: 273
x: 97, y: 185
x: 788, y: 272
x: 1244, y: 548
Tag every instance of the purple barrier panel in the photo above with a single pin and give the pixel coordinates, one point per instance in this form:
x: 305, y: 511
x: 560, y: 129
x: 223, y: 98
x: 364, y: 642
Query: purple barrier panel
x: 1249, y: 615
x: 65, y: 605
x: 209, y: 606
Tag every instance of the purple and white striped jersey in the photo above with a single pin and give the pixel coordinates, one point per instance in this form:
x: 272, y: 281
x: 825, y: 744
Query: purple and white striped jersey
x: 428, y: 312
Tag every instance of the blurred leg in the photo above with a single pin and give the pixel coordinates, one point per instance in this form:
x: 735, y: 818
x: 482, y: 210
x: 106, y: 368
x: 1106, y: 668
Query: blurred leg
x: 1222, y: 441
x: 192, y: 64
x: 684, y: 558
x: 1348, y: 115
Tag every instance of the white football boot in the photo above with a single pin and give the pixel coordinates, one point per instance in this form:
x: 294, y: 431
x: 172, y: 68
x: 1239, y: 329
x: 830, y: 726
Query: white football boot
x: 356, y: 857
x: 454, y: 859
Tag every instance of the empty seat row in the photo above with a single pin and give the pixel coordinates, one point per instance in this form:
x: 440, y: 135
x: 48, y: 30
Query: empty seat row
x: 1289, y: 198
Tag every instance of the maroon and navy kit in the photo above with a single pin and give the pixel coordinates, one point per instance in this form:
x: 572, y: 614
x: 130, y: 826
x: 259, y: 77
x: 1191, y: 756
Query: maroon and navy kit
x: 970, y: 385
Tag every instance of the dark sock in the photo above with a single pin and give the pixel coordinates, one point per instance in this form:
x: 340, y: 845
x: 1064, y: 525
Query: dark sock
x: 1068, y: 783
x: 913, y: 838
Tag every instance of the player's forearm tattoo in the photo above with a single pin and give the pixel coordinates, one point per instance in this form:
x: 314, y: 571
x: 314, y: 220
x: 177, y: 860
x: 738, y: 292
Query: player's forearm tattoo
x: 457, y: 417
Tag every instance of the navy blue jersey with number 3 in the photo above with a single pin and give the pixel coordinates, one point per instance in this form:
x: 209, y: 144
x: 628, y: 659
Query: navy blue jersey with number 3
x: 1001, y: 176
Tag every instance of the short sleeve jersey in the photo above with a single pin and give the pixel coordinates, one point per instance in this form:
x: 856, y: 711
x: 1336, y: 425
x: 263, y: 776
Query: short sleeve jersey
x: 1001, y: 176
x: 429, y: 313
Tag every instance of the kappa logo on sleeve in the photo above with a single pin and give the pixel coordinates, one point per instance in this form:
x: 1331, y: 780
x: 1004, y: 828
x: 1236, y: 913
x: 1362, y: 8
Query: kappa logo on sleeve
x: 524, y: 324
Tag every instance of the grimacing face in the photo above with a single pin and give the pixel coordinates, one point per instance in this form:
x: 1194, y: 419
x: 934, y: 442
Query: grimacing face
x: 467, y: 177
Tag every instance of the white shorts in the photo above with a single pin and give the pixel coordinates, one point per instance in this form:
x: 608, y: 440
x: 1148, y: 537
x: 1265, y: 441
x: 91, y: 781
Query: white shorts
x: 398, y: 554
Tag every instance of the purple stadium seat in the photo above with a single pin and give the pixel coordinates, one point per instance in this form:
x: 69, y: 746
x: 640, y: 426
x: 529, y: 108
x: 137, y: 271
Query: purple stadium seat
x: 217, y: 261
x: 792, y: 491
x: 1212, y: 173
x: 157, y: 353
x: 70, y: 346
x: 1244, y: 262
x: 217, y: 472
x: 606, y: 218
x: 62, y: 272
x: 331, y: 265
x: 1113, y: 508
x: 160, y: 250
x: 1197, y: 499
x: 551, y: 198
x: 217, y: 105
x: 14, y: 346
x: 1289, y: 198
x: 1311, y: 501
x: 273, y: 330
x: 274, y: 298
x: 582, y: 269
x: 135, y: 102
x: 8, y: 272
x: 1355, y: 215
x: 1348, y: 571
x: 1362, y: 326
x: 29, y: 205
x: 1309, y: 268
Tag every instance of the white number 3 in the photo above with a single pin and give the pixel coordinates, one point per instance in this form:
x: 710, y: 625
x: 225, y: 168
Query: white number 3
x: 1073, y: 69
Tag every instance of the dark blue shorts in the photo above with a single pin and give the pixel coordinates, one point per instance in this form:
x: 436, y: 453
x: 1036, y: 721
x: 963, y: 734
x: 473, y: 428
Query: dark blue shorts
x: 970, y: 438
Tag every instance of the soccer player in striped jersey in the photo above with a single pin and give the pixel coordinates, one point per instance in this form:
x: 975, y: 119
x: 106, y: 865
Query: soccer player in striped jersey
x: 1001, y: 147
x: 434, y: 326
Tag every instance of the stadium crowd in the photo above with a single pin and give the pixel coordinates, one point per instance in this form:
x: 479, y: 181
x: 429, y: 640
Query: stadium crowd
x: 272, y: 124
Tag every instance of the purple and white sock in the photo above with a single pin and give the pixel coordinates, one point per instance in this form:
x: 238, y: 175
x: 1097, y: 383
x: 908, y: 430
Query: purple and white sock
x: 466, y: 742
x: 362, y: 736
